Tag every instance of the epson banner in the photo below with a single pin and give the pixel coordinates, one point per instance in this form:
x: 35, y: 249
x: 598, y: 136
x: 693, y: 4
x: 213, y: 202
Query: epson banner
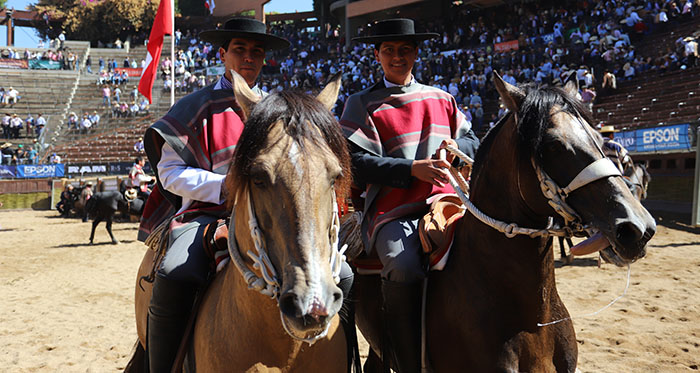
x: 40, y: 170
x: 656, y: 139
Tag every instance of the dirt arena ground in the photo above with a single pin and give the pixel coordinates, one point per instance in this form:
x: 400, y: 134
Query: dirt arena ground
x: 67, y: 306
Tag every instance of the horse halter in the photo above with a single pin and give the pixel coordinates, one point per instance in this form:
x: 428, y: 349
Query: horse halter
x: 269, y: 284
x: 556, y: 196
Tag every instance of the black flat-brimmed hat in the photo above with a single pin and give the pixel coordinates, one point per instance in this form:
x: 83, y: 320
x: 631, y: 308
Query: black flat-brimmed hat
x: 394, y: 29
x: 244, y: 28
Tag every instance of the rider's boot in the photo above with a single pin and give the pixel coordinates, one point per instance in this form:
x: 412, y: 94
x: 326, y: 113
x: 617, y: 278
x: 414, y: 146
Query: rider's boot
x: 402, y: 316
x: 168, y: 314
x: 347, y: 321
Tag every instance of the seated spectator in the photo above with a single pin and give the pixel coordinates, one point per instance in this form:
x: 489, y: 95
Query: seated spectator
x: 629, y: 71
x: 95, y: 118
x: 138, y: 146
x: 11, y: 96
x: 85, y: 124
x: 72, y: 121
x: 55, y: 158
x: 144, y: 106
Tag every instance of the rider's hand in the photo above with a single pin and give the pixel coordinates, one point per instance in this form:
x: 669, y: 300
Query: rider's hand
x: 443, y: 145
x: 433, y: 171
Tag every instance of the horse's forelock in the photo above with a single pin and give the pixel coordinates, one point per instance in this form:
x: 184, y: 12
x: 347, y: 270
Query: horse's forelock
x: 534, y: 116
x: 303, y: 118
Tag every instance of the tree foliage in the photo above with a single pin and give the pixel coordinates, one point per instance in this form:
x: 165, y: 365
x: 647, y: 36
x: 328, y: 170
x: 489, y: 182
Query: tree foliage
x: 97, y: 20
x: 2, y: 3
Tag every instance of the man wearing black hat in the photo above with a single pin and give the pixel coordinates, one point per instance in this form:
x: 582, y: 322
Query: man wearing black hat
x: 190, y: 149
x: 394, y: 129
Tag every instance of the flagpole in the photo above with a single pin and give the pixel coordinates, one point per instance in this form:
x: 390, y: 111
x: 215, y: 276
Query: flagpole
x: 172, y: 55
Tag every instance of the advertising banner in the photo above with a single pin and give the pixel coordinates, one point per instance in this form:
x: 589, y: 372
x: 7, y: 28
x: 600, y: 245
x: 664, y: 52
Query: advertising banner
x: 8, y: 172
x: 87, y: 169
x: 40, y: 170
x: 11, y: 63
x: 45, y: 65
x: 130, y: 71
x: 506, y: 46
x: 123, y: 168
x: 216, y: 70
x: 676, y: 137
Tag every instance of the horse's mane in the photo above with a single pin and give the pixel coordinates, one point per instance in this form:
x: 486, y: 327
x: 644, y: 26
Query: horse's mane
x: 533, y: 119
x: 304, y: 118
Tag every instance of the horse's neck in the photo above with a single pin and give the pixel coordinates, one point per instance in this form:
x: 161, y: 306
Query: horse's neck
x: 520, y: 266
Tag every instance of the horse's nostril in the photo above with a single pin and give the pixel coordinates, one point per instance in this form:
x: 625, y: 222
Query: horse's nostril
x: 337, y: 296
x: 628, y: 233
x: 290, y: 305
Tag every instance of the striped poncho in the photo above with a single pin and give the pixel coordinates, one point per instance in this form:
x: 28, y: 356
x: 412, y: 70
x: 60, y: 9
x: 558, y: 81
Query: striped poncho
x: 406, y: 122
x: 203, y: 128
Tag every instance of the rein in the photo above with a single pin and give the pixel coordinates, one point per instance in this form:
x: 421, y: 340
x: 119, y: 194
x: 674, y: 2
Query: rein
x: 556, y: 197
x: 267, y: 283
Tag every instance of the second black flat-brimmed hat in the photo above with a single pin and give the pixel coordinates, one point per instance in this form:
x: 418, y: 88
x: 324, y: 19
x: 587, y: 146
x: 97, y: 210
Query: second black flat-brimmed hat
x: 244, y: 28
x: 394, y: 29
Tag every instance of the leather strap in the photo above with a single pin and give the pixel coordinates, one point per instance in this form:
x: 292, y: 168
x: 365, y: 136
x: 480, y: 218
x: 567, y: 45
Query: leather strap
x: 597, y: 170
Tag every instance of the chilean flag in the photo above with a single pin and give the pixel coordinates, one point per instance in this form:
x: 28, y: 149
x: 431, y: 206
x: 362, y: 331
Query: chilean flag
x: 162, y: 25
x: 209, y: 4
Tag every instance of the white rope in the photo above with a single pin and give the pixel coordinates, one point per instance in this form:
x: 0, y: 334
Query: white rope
x: 509, y: 229
x: 629, y: 271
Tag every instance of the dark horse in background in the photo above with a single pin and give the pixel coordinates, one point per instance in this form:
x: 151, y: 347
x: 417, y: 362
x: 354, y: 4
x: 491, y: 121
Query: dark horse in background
x: 484, y: 307
x: 103, y: 205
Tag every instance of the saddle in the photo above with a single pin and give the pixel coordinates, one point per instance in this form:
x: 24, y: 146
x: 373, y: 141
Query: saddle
x: 436, y: 232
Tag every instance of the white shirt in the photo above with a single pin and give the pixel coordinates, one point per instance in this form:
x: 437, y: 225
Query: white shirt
x: 190, y: 183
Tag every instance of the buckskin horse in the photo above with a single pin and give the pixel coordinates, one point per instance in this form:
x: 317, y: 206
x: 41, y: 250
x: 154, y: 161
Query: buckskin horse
x: 484, y: 307
x: 290, y: 160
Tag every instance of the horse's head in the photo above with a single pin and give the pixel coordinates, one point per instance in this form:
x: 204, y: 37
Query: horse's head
x: 290, y: 161
x: 638, y: 180
x: 557, y: 139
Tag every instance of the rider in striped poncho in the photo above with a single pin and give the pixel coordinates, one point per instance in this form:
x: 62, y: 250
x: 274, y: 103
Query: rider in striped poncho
x: 394, y: 128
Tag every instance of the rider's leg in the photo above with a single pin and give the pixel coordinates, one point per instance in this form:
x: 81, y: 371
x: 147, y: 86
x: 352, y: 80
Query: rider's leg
x: 184, y: 269
x: 399, y: 250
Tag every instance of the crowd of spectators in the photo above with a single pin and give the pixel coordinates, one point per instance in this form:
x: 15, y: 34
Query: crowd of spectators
x: 12, y: 125
x: 17, y: 155
x: 541, y: 42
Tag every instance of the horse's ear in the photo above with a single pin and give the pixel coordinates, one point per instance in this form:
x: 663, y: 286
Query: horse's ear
x: 511, y: 95
x: 571, y: 86
x: 245, y: 96
x: 329, y: 94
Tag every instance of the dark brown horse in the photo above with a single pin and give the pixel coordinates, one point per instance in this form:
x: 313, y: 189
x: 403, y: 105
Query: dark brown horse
x: 289, y: 161
x: 484, y: 308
